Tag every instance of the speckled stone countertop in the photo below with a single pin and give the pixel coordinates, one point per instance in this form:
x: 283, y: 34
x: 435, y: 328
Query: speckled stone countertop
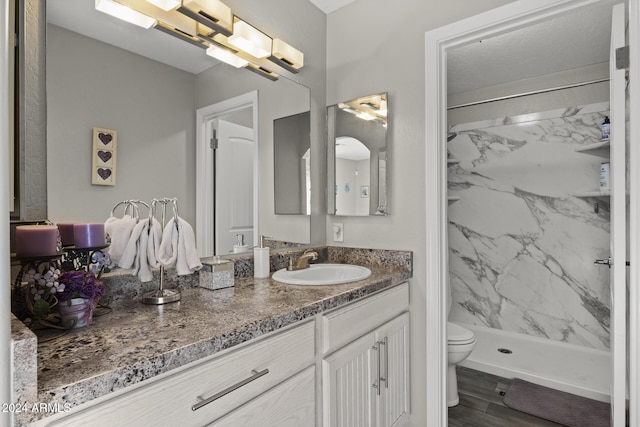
x: 136, y: 342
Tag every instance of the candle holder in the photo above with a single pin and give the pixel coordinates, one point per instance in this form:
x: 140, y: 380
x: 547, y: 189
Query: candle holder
x: 93, y: 260
x: 33, y: 306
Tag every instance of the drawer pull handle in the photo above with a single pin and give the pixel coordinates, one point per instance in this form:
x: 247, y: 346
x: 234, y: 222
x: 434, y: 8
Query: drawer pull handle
x: 202, y: 401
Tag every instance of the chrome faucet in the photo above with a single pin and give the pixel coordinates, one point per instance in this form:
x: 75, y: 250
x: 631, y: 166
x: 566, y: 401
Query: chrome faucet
x: 303, y: 260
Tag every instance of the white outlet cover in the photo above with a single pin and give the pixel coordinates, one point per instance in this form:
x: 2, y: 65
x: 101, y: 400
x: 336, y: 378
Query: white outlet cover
x: 338, y: 232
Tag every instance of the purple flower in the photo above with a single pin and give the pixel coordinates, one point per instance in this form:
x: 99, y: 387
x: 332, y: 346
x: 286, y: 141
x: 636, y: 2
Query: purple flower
x: 79, y: 284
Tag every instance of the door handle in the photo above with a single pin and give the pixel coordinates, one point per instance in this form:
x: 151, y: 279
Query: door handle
x: 607, y: 262
x: 377, y: 384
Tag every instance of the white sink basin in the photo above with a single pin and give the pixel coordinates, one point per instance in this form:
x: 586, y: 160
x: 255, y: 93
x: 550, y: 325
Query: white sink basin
x: 322, y: 274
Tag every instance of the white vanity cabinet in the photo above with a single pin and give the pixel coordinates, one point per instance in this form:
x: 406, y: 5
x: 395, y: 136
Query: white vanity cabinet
x: 267, y: 382
x: 365, y: 366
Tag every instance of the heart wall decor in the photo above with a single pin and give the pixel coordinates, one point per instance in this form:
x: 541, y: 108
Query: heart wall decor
x: 105, y: 148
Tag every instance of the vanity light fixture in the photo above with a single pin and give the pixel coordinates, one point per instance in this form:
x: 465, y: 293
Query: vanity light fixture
x: 125, y: 13
x: 171, y: 18
x: 175, y: 32
x: 250, y: 39
x: 210, y: 25
x: 211, y: 13
x: 286, y: 56
x: 227, y: 56
x: 365, y: 116
x: 166, y: 5
x: 262, y: 71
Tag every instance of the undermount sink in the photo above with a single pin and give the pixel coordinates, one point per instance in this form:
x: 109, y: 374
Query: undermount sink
x: 322, y: 274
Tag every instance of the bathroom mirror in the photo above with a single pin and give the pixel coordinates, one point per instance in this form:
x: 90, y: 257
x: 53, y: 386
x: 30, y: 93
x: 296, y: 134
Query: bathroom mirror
x: 357, y: 158
x: 152, y: 107
x: 292, y: 164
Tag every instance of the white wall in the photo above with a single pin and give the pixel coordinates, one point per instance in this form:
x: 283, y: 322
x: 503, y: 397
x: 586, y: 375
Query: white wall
x: 150, y: 105
x: 376, y: 46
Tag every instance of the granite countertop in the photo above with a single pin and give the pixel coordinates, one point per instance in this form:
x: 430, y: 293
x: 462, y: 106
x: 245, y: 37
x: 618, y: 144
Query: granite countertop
x: 136, y: 342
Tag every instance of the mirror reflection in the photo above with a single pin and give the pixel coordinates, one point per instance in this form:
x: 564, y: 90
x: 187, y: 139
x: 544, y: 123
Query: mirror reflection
x: 292, y: 164
x: 153, y: 108
x: 357, y: 158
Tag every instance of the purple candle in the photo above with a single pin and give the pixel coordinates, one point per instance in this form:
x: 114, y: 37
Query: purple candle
x: 66, y: 233
x: 88, y: 235
x: 36, y: 240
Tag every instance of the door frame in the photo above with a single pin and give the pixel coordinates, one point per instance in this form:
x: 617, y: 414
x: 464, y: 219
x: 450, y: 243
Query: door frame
x: 205, y: 188
x: 492, y: 23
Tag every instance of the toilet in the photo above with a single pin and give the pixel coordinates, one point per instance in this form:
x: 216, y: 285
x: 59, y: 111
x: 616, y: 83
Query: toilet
x: 460, y: 343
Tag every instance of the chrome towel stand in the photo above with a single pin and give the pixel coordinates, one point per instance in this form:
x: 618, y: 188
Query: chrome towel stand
x: 162, y: 295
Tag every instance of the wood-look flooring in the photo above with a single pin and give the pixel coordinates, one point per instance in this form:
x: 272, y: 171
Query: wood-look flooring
x: 481, y: 403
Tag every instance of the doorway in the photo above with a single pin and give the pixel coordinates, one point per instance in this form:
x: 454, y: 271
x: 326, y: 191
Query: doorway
x: 227, y: 176
x: 438, y: 43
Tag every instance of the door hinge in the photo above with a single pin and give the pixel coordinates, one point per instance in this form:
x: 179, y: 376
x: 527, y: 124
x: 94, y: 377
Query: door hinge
x: 213, y: 143
x: 622, y: 58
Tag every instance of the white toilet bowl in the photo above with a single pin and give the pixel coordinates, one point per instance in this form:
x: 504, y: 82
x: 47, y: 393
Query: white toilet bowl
x: 460, y: 343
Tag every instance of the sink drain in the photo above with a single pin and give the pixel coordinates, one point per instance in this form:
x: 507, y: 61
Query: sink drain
x: 505, y: 351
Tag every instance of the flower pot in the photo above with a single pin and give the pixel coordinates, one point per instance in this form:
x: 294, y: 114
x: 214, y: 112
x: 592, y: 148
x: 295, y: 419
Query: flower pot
x: 76, y: 312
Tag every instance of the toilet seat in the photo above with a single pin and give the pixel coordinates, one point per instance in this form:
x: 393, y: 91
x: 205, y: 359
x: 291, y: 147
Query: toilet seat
x: 457, y: 335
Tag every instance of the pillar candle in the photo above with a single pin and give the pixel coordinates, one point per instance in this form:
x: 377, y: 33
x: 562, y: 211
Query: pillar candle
x: 88, y: 235
x: 36, y: 240
x: 66, y: 232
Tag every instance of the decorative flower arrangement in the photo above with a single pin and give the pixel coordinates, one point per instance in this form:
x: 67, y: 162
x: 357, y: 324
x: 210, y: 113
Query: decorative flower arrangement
x: 79, y: 284
x: 43, y: 288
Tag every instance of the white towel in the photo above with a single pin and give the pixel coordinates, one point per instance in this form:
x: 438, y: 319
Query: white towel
x: 119, y: 230
x: 178, y: 247
x: 135, y: 254
x: 153, y: 245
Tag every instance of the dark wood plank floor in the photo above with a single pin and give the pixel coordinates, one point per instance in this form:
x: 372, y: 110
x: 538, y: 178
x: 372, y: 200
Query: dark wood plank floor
x: 481, y: 403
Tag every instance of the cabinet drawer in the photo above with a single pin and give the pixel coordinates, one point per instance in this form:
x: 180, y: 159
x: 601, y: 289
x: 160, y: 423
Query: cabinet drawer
x: 169, y: 400
x: 345, y: 324
x: 290, y: 404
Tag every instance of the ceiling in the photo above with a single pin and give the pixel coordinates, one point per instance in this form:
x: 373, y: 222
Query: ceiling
x: 574, y: 40
x: 328, y: 6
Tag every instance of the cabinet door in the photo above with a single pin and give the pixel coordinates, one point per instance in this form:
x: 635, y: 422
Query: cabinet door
x: 290, y: 404
x: 393, y: 402
x: 348, y: 379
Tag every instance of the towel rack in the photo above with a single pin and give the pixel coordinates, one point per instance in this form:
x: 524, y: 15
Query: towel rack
x: 162, y: 295
x: 131, y: 208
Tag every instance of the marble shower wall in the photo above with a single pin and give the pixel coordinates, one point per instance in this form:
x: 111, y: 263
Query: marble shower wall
x: 521, y: 245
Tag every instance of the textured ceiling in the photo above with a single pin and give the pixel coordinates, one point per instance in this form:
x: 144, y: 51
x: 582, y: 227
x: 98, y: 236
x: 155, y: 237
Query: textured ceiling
x: 570, y: 41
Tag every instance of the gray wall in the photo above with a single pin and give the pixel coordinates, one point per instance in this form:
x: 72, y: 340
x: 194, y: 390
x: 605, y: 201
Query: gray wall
x: 375, y: 46
x: 150, y: 105
x: 302, y: 25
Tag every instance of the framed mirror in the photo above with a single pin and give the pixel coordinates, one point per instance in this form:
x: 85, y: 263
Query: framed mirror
x: 92, y: 81
x: 292, y: 164
x: 357, y: 157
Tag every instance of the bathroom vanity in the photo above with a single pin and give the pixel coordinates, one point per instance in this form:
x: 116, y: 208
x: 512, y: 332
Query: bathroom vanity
x: 261, y: 350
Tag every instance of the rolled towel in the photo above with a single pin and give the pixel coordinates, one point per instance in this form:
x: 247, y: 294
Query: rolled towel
x: 119, y: 230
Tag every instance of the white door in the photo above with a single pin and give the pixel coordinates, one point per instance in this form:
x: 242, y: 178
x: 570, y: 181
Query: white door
x: 393, y: 341
x: 234, y: 186
x: 347, y: 382
x: 618, y: 222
